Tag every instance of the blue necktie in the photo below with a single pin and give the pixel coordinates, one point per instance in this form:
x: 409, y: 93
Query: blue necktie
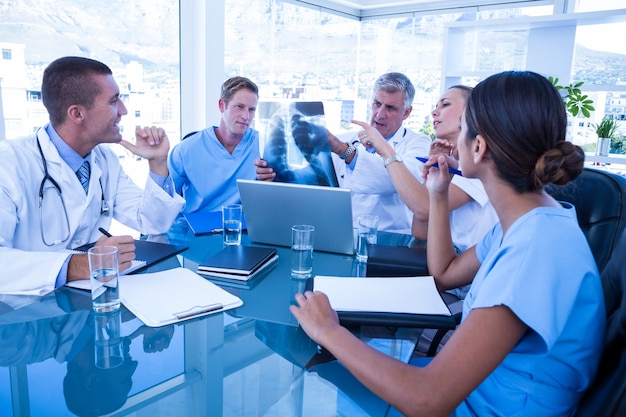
x: 83, y: 175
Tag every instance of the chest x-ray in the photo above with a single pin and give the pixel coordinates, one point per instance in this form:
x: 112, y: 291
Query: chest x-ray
x: 294, y: 142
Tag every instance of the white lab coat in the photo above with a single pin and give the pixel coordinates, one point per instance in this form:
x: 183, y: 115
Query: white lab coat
x: 371, y: 187
x: 28, y: 265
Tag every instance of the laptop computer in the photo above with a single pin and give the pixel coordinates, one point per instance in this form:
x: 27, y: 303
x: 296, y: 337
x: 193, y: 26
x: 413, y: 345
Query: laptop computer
x: 271, y: 208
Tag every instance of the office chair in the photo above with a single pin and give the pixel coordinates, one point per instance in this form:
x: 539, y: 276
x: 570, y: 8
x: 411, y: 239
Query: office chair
x: 600, y: 200
x: 607, y: 394
x: 606, y: 397
x: 189, y: 134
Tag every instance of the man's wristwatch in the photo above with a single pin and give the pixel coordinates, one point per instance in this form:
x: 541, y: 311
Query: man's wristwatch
x: 394, y: 158
x: 351, y: 149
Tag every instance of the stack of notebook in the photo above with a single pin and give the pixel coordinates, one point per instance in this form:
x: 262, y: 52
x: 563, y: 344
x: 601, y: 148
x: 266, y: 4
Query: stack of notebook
x: 238, y: 262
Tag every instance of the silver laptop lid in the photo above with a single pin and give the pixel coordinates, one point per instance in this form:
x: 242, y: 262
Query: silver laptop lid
x: 271, y: 208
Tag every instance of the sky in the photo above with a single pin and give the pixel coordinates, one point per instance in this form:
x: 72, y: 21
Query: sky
x: 607, y: 38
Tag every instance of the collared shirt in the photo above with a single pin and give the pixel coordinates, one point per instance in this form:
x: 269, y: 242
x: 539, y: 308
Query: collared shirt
x: 74, y: 160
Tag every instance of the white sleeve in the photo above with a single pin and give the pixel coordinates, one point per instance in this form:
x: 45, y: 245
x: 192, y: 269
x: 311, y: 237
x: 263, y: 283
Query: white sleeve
x: 472, y: 187
x: 370, y: 174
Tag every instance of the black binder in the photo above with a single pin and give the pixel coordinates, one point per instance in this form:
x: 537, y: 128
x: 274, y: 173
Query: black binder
x: 396, y: 261
x: 391, y: 319
x: 147, y: 251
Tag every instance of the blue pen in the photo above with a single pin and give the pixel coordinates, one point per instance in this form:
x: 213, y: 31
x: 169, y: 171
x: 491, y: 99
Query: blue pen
x: 436, y: 165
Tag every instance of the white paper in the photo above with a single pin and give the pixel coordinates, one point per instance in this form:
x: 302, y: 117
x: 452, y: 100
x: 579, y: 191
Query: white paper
x: 85, y: 284
x: 160, y: 298
x: 413, y: 295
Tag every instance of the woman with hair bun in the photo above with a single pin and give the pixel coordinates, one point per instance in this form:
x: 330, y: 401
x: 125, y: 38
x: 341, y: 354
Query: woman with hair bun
x: 533, y: 320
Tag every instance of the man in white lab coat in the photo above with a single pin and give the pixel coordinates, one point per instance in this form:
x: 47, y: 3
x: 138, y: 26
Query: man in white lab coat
x: 58, y: 187
x: 363, y: 171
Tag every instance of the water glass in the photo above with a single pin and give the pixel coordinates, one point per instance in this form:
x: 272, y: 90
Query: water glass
x: 231, y: 221
x: 302, y: 251
x: 104, y: 276
x: 368, y: 231
x: 108, y: 346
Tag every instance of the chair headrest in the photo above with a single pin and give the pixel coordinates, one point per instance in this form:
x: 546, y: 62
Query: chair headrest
x: 600, y: 200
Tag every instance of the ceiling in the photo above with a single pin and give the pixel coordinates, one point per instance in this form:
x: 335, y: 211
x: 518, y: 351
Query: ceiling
x: 376, y: 9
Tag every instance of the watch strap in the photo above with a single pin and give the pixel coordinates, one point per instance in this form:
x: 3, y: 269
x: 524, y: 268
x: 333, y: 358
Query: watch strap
x: 351, y: 149
x: 394, y: 158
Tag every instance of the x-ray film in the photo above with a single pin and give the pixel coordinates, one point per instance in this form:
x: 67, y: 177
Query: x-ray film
x: 294, y: 142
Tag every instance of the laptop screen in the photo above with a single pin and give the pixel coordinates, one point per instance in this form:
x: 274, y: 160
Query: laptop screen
x: 271, y: 208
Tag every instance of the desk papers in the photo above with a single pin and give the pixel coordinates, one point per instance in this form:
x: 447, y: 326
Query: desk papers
x: 85, y: 284
x: 412, y: 295
x: 170, y: 296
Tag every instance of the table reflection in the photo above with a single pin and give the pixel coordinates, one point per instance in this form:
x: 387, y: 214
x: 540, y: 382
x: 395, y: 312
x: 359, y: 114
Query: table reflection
x: 253, y: 360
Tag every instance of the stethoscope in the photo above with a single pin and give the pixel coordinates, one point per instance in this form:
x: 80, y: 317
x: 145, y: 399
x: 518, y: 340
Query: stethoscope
x: 104, y: 207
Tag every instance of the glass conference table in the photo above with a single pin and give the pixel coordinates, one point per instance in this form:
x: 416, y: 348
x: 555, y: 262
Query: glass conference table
x: 250, y: 361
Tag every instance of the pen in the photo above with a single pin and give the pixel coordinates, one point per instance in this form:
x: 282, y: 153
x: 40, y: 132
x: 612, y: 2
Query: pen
x: 207, y: 309
x: 104, y: 232
x: 436, y: 165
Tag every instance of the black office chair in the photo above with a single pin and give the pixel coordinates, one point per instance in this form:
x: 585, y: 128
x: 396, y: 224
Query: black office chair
x: 600, y: 200
x: 607, y: 395
x: 189, y: 134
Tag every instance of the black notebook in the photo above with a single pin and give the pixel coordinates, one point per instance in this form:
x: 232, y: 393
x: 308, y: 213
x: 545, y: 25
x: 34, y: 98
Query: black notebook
x: 244, y: 282
x: 396, y: 261
x: 238, y: 261
x: 146, y: 252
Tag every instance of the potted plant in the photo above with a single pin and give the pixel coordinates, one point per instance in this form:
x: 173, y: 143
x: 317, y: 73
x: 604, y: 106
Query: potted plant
x: 606, y: 130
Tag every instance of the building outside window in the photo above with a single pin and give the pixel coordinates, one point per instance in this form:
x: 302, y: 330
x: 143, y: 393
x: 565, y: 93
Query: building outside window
x: 290, y: 50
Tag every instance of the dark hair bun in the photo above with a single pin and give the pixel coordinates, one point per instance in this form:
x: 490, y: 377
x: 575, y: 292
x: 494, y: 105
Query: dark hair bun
x: 559, y: 165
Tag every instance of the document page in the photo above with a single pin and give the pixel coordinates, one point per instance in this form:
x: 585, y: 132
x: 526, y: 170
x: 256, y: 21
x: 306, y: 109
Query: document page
x: 412, y: 295
x: 170, y: 296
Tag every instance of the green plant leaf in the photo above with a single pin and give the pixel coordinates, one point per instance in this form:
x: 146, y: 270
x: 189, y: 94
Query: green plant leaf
x: 574, y: 100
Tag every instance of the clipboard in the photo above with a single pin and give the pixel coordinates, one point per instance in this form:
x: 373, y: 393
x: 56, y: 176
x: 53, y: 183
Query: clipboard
x: 174, y: 295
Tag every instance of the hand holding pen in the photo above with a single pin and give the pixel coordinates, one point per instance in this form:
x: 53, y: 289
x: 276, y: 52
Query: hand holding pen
x: 437, y: 175
x: 125, y: 245
x: 436, y: 165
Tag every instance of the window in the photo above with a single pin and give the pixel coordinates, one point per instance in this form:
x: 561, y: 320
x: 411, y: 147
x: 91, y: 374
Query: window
x: 310, y: 54
x: 598, y: 5
x: 137, y: 40
x: 34, y: 95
